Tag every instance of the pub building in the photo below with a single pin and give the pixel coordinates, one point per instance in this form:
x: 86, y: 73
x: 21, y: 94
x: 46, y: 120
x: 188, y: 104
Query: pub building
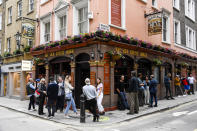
x: 108, y: 56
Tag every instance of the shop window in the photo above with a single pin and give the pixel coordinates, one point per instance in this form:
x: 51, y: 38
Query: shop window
x: 166, y: 29
x: 157, y: 73
x: 144, y: 67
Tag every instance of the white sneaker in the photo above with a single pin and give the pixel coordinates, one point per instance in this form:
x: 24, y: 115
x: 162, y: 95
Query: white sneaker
x: 184, y: 95
x: 66, y: 116
x: 179, y: 96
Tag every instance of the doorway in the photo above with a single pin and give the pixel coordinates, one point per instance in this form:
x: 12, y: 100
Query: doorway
x: 82, y: 72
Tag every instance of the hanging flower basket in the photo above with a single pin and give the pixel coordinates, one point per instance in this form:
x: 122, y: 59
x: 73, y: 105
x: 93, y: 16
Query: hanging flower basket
x: 185, y: 65
x: 116, y: 57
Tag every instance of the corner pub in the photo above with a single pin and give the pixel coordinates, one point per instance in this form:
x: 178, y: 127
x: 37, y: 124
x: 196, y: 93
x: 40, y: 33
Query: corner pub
x: 108, y: 56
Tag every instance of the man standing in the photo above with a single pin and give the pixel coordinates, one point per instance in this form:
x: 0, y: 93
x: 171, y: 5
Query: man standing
x: 121, y: 92
x: 90, y: 92
x: 191, y: 83
x: 61, y: 95
x: 133, y: 93
x: 52, y: 93
x: 141, y: 90
x: 167, y: 85
x: 30, y: 88
x: 153, y: 91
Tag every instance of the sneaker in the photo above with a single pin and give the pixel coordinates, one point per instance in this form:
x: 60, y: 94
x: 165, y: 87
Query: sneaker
x: 130, y: 113
x: 66, y: 116
x: 34, y: 109
x: 179, y: 96
x: 184, y: 95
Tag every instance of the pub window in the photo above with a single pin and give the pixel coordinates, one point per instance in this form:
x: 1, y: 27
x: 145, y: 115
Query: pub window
x: 62, y: 28
x: 165, y: 29
x: 47, y: 32
x: 19, y: 5
x: 9, y: 15
x: 177, y: 32
x: 83, y: 20
x: 31, y: 5
x: 154, y: 3
x: 117, y: 13
x: 9, y: 45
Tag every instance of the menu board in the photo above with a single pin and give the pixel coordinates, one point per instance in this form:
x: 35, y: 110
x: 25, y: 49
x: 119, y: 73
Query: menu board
x: 116, y: 12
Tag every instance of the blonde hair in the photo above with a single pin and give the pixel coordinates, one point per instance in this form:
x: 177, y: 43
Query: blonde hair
x: 42, y: 80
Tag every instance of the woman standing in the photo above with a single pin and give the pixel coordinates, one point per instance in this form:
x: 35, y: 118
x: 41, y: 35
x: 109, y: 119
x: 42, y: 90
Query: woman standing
x: 99, y: 90
x: 146, y: 90
x: 69, y: 97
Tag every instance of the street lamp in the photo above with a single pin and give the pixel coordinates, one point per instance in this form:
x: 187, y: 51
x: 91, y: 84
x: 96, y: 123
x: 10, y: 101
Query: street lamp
x: 18, y: 39
x: 92, y: 55
x: 71, y: 56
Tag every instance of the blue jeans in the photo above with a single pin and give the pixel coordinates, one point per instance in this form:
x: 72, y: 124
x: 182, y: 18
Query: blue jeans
x: 153, y: 95
x: 124, y: 100
x: 69, y: 104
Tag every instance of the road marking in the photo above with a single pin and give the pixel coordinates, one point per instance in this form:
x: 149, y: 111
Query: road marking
x: 192, y: 112
x: 180, y: 113
x: 115, y: 130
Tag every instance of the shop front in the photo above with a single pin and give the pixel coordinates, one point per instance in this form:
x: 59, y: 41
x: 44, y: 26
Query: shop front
x: 107, y: 59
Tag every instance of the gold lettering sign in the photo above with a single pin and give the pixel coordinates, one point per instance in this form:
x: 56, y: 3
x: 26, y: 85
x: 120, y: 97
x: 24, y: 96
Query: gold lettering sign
x: 143, y: 54
x: 52, y: 54
x: 69, y: 51
x: 46, y: 55
x: 125, y: 51
x: 60, y: 53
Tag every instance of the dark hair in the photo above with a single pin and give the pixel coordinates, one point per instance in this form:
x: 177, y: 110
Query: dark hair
x: 140, y: 74
x: 51, y: 78
x: 133, y: 73
x: 99, y: 79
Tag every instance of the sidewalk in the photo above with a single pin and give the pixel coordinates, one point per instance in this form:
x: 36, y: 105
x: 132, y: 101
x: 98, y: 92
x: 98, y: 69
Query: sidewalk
x: 110, y: 117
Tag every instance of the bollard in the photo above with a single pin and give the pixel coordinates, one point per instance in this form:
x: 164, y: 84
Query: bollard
x: 82, y: 109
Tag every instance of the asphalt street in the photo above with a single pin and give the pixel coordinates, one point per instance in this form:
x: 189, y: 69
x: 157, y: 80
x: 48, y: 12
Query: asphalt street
x: 182, y: 118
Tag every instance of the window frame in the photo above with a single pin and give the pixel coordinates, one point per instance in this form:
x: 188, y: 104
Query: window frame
x: 84, y: 20
x: 176, y: 4
x: 63, y: 28
x: 19, y: 9
x: 31, y: 2
x: 9, y: 45
x: 155, y: 3
x: 1, y: 21
x: 178, y: 32
x: 123, y: 15
x: 190, y: 40
x: 10, y: 15
x: 47, y: 33
x: 190, y: 9
x: 167, y: 17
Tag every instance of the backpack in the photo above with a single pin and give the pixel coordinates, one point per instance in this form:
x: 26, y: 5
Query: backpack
x: 27, y: 89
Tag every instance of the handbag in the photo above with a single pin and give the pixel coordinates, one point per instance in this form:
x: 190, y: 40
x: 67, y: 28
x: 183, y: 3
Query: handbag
x: 36, y: 94
x: 67, y: 98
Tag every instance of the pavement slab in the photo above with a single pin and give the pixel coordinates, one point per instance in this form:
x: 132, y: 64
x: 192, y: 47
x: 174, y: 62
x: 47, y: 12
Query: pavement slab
x: 110, y: 117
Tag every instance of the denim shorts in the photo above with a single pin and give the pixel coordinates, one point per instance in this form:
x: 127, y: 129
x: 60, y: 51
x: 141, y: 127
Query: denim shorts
x: 186, y: 87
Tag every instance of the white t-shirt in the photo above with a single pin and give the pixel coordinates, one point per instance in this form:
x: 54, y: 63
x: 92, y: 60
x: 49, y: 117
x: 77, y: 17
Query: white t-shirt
x: 191, y: 80
x: 98, y: 88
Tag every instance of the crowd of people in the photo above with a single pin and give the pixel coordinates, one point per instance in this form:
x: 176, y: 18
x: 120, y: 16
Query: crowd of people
x: 142, y: 92
x: 139, y: 92
x: 58, y: 92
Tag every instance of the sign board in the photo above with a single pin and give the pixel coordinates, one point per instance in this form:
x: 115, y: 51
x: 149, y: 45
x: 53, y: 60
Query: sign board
x: 116, y: 12
x: 28, y: 30
x: 26, y: 65
x: 155, y: 24
x: 104, y: 27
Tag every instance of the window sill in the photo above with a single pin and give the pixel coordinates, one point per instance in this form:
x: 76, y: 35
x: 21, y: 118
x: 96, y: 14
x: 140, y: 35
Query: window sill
x: 190, y: 18
x: 186, y: 48
x: 19, y: 18
x: 155, y: 8
x: 121, y: 28
x: 42, y: 4
x: 30, y: 12
x: 143, y: 1
x: 9, y: 24
x: 166, y: 42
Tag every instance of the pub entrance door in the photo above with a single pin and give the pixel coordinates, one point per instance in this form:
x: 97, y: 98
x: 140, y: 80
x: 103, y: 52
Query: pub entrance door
x: 81, y: 73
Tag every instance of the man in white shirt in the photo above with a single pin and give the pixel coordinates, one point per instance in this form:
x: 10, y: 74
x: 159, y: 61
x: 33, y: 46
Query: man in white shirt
x: 192, y: 80
x: 90, y: 92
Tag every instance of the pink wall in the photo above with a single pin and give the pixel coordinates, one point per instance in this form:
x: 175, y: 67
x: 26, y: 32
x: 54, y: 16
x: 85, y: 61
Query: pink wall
x: 136, y: 24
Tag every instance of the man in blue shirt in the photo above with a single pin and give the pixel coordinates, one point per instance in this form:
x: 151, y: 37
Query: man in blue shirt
x: 153, y: 91
x: 30, y: 92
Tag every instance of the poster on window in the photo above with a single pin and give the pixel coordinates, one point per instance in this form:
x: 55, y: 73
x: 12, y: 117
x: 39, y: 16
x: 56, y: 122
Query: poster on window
x: 155, y: 24
x: 116, y: 12
x: 28, y: 30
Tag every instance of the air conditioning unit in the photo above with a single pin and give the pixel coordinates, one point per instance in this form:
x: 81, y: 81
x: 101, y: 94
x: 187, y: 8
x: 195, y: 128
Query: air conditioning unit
x: 90, y: 15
